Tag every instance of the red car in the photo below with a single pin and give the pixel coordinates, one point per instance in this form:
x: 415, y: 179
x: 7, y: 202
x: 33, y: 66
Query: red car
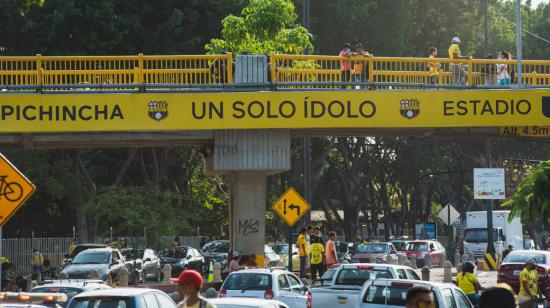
x: 514, y: 263
x: 421, y: 248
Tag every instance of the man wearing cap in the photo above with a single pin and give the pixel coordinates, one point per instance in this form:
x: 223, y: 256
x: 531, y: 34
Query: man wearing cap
x: 528, y: 290
x: 189, y: 286
x: 458, y: 72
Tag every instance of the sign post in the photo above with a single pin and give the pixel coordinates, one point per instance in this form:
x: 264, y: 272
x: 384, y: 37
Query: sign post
x: 15, y: 189
x: 449, y: 215
x: 489, y: 184
x: 291, y: 207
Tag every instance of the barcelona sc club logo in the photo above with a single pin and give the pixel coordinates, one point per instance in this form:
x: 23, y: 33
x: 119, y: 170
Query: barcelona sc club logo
x: 158, y: 110
x: 410, y: 108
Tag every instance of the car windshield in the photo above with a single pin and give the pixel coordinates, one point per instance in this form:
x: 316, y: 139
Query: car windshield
x: 373, y: 248
x: 78, y: 249
x: 131, y: 254
x: 92, y: 258
x: 478, y: 235
x: 357, y: 276
x: 99, y: 302
x: 400, y: 246
x: 216, y: 247
x: 416, y: 246
x: 341, y: 247
x: 248, y: 281
x: 281, y: 249
x: 388, y: 295
x: 522, y: 257
x: 174, y: 252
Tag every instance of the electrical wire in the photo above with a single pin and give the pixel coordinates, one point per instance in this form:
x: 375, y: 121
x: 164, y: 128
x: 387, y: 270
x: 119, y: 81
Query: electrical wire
x: 526, y: 31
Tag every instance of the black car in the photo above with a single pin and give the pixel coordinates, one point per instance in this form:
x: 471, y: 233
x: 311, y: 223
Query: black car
x: 182, y: 258
x: 143, y: 263
x: 105, y: 260
x: 78, y: 249
x: 217, y: 251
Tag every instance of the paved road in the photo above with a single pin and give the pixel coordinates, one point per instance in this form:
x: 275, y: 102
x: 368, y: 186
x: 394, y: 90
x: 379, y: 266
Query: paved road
x: 486, y: 279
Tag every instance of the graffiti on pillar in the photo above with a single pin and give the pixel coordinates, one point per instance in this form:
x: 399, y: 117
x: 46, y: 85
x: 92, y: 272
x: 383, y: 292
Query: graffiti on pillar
x: 248, y: 226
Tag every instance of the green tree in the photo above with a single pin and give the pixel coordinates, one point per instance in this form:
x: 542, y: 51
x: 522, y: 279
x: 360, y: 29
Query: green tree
x: 532, y: 198
x: 265, y: 27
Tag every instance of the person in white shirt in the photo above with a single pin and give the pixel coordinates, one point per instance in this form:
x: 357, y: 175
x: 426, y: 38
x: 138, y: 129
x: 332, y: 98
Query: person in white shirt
x: 503, y: 76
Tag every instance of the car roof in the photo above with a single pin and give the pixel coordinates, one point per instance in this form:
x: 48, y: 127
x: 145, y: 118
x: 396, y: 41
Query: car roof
x: 104, y: 249
x: 261, y: 270
x: 380, y: 281
x: 244, y: 301
x: 116, y: 292
x: 377, y: 265
x: 77, y: 283
x: 530, y: 251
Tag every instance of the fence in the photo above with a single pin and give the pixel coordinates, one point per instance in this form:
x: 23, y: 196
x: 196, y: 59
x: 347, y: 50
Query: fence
x: 286, y: 71
x: 19, y: 250
x: 110, y: 71
x: 303, y: 71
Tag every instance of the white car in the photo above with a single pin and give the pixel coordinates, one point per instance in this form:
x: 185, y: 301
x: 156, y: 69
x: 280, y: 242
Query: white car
x: 267, y: 283
x: 234, y: 302
x: 392, y: 293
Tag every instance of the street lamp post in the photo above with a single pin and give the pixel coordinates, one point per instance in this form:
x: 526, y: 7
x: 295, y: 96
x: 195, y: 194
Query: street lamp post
x: 519, y: 50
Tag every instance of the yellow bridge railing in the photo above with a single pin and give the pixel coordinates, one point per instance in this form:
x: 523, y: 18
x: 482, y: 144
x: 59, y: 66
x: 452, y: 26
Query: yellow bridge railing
x: 286, y: 71
x: 138, y: 69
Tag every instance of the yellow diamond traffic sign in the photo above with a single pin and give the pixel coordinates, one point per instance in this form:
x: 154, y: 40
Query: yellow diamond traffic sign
x: 15, y: 189
x: 291, y: 206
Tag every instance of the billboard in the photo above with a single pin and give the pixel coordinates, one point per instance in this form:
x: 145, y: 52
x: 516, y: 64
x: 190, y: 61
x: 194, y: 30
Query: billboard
x: 426, y: 231
x: 489, y: 183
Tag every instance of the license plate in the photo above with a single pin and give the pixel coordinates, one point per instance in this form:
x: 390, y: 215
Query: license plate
x: 516, y: 272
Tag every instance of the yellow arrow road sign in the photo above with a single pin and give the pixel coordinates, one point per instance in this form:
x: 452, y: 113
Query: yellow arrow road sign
x: 15, y: 189
x: 291, y: 206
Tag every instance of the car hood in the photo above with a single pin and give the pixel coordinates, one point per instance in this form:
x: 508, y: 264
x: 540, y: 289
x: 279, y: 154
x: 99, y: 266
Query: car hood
x: 86, y: 268
x: 415, y: 252
x: 369, y: 255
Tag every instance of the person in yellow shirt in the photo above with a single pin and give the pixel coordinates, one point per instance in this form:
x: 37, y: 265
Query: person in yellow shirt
x: 458, y: 71
x: 317, y: 252
x: 468, y: 282
x: 434, y: 67
x: 528, y: 288
x: 303, y: 252
x: 37, y: 261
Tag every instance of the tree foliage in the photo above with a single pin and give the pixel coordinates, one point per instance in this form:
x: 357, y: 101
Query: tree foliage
x: 532, y: 198
x: 264, y: 27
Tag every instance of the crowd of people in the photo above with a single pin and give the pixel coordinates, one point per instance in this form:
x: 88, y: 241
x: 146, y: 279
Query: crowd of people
x: 357, y: 70
x: 315, y: 256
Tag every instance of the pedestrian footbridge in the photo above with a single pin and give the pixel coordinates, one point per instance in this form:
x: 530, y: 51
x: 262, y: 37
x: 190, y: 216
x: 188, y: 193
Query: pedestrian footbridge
x: 246, y: 109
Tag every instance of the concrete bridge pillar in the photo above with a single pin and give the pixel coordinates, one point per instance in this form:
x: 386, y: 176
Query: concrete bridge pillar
x: 247, y: 158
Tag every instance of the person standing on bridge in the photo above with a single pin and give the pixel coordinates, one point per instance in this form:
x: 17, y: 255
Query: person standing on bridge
x: 303, y: 251
x: 345, y: 65
x: 434, y: 67
x: 458, y: 72
x: 360, y: 67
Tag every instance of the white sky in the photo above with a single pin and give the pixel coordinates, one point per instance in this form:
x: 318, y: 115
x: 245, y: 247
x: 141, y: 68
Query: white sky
x: 535, y: 3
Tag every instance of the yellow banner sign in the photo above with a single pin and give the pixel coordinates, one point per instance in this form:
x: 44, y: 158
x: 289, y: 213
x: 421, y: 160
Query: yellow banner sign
x: 308, y: 109
x: 525, y: 131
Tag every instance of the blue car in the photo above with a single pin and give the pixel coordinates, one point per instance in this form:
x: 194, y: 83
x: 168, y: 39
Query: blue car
x: 123, y: 298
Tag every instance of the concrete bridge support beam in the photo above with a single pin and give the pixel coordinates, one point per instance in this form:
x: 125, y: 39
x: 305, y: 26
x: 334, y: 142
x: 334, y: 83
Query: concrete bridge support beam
x: 247, y: 158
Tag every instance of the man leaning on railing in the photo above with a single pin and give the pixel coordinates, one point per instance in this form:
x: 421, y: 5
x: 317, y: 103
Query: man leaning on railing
x: 458, y: 70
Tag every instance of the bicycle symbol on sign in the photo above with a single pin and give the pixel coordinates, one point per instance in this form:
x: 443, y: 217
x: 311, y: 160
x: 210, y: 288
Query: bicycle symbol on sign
x: 12, y: 191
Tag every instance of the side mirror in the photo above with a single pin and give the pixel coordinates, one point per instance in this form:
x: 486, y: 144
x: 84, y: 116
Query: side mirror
x: 305, y: 289
x: 188, y: 257
x: 67, y: 255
